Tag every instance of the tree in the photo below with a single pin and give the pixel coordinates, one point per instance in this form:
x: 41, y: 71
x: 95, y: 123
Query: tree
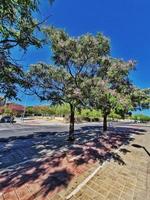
x: 110, y: 89
x: 75, y: 60
x: 54, y: 84
x: 140, y: 98
x: 18, y: 28
x: 17, y: 25
x: 11, y: 76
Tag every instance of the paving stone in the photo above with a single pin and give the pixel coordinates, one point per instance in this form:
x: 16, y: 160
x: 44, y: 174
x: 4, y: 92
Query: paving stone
x: 99, y: 197
x: 90, y: 192
x: 118, y: 185
x: 126, y: 196
x: 23, y: 193
x: 11, y: 195
x: 112, y: 196
x: 116, y: 191
x: 128, y: 191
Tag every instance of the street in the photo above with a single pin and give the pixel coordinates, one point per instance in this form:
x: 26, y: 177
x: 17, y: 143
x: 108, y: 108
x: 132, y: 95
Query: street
x: 17, y: 130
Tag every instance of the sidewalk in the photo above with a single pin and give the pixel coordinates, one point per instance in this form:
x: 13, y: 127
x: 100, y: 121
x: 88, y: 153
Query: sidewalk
x: 55, y: 177
x: 130, y: 181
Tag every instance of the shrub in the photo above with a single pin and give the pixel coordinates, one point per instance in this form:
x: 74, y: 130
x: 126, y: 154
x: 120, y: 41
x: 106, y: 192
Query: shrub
x: 141, y: 118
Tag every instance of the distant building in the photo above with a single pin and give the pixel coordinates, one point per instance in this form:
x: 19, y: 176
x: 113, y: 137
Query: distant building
x: 15, y: 108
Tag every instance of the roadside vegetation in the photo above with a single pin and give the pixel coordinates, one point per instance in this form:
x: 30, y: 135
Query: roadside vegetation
x: 141, y: 118
x: 63, y: 111
x: 80, y: 116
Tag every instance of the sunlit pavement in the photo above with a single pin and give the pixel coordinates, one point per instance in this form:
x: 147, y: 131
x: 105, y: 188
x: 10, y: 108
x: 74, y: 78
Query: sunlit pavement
x: 127, y: 181
x: 39, y: 165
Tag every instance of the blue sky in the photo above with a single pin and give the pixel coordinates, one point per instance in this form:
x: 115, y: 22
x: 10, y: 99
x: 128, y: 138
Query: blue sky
x: 125, y: 22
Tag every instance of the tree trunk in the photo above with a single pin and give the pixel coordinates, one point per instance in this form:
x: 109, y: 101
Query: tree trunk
x: 105, y: 122
x: 71, y: 127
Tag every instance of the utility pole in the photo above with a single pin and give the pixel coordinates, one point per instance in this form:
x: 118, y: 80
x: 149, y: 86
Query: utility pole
x: 24, y: 111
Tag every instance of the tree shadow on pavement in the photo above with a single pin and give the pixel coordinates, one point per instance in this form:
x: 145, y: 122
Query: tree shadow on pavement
x: 139, y: 146
x: 54, y: 162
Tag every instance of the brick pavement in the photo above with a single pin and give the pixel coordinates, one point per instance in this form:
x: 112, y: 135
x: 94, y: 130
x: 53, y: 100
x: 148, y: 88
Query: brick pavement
x: 130, y: 181
x: 54, y: 177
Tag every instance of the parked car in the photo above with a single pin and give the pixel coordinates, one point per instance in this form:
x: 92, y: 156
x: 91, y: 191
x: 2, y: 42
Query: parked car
x: 7, y: 119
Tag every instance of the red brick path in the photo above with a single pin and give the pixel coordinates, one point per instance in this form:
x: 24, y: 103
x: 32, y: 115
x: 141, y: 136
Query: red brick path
x: 41, y: 179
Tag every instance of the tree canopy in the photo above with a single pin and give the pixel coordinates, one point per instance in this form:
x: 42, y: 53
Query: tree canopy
x: 111, y: 89
x: 75, y: 60
x: 17, y: 25
x: 18, y: 28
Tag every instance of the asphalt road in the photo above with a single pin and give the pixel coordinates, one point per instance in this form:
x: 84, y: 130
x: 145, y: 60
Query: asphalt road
x: 17, y: 130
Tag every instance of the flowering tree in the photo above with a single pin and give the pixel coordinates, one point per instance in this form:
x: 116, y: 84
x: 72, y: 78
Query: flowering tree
x: 110, y: 89
x: 129, y: 96
x: 75, y: 60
